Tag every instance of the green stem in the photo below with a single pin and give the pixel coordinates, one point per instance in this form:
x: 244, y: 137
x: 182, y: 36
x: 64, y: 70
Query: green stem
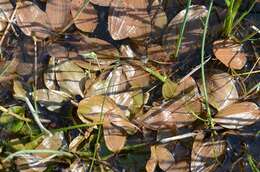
x: 182, y: 29
x: 38, y: 151
x: 203, y: 68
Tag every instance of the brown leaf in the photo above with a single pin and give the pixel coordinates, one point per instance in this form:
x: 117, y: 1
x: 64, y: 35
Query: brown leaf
x: 238, y: 115
x: 193, y: 31
x: 129, y: 19
x: 57, y: 50
x: 179, y: 111
x: 52, y: 100
x: 114, y: 137
x: 87, y: 20
x: 230, y: 53
x: 221, y: 89
x: 5, y: 14
x: 101, y: 2
x: 164, y: 157
x: 207, y: 154
x: 32, y: 25
x: 158, y: 18
x: 58, y: 13
x: 105, y: 52
x: 180, y: 166
x: 50, y: 75
x: 152, y: 162
x: 90, y: 108
x: 69, y: 77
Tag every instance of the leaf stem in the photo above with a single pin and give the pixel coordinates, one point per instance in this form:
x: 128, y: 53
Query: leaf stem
x: 210, y: 121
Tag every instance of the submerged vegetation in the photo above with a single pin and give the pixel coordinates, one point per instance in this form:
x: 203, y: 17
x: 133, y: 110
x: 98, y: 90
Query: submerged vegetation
x: 127, y: 85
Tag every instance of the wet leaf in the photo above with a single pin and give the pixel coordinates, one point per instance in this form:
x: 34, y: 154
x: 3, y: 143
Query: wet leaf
x: 69, y: 77
x: 230, y: 53
x: 129, y: 19
x: 101, y: 2
x: 87, y: 20
x: 6, y: 11
x: 105, y: 52
x: 19, y: 91
x: 56, y: 50
x: 164, y: 157
x: 152, y: 162
x: 157, y: 54
x: 206, y: 154
x: 58, y: 13
x: 179, y: 112
x: 114, y: 137
x: 90, y: 108
x: 50, y: 75
x: 158, y: 18
x: 115, y: 125
x: 238, y: 115
x: 192, y: 34
x: 221, y: 89
x: 136, y: 76
x: 52, y: 100
x: 32, y: 25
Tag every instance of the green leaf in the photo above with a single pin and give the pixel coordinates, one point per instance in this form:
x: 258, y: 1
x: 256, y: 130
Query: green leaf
x: 168, y: 89
x: 11, y: 123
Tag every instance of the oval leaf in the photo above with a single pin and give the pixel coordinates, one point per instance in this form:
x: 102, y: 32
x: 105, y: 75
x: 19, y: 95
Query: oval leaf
x: 238, y: 115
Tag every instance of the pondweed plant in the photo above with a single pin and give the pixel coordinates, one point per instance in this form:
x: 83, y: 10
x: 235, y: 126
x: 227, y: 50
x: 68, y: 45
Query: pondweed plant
x: 230, y: 21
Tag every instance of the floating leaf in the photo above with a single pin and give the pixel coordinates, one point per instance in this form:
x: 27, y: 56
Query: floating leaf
x: 101, y: 2
x: 69, y: 77
x: 5, y: 13
x: 115, y: 124
x: 57, y: 50
x: 58, y: 13
x: 32, y: 25
x: 152, y: 162
x: 179, y: 112
x: 86, y: 19
x: 52, y: 100
x: 164, y: 157
x: 221, y: 89
x: 230, y: 53
x: 114, y: 137
x: 158, y: 18
x: 129, y: 19
x: 238, y: 115
x: 206, y: 154
x: 193, y: 31
x: 50, y: 75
